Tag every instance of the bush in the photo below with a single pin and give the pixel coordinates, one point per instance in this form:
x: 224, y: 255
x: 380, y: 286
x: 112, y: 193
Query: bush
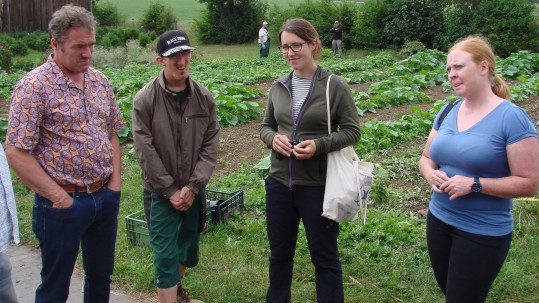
x: 6, y: 58
x: 509, y: 24
x: 408, y: 20
x: 367, y: 30
x: 107, y: 14
x: 144, y: 39
x: 111, y: 39
x: 15, y: 45
x: 460, y: 22
x: 158, y: 18
x: 411, y: 47
x: 230, y: 22
x: 37, y: 40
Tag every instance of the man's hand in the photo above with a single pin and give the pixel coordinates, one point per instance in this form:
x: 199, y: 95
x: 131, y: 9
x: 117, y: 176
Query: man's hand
x: 182, y: 199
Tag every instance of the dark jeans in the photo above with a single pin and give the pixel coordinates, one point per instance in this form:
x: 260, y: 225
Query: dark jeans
x: 284, y: 209
x: 465, y: 265
x: 91, y: 222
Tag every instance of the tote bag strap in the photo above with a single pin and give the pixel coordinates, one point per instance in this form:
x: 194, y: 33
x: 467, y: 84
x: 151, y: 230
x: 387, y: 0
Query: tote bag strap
x: 327, y: 104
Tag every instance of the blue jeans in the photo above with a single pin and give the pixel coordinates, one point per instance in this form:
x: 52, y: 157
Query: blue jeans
x: 284, y: 209
x: 91, y: 222
x: 7, y: 291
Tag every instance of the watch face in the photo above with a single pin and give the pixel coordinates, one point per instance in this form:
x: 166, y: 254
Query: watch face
x: 476, y: 187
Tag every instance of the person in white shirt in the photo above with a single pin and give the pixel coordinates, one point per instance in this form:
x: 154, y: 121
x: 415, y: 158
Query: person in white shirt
x: 264, y: 40
x: 9, y: 230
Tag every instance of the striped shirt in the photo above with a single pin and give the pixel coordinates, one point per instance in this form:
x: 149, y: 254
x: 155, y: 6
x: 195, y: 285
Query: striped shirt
x: 300, y: 90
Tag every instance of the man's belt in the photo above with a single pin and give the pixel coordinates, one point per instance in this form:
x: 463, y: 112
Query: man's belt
x: 90, y: 188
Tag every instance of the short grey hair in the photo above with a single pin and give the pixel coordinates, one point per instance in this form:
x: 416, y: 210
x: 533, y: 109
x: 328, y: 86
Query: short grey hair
x: 67, y: 17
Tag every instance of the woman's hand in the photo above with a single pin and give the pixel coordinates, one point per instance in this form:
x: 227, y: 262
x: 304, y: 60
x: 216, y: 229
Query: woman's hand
x: 457, y: 186
x: 305, y: 149
x: 436, y: 179
x: 281, y: 144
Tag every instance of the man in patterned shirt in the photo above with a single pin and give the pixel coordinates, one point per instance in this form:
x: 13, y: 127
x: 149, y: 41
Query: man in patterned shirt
x: 62, y: 142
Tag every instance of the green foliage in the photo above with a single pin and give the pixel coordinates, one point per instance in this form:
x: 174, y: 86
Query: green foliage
x: 37, y: 40
x: 15, y: 43
x: 408, y: 20
x: 6, y: 58
x: 460, y: 22
x: 158, y: 18
x: 144, y: 39
x: 107, y: 14
x: 367, y: 29
x: 411, y: 47
x: 322, y: 14
x: 111, y: 39
x: 230, y: 22
x: 509, y: 24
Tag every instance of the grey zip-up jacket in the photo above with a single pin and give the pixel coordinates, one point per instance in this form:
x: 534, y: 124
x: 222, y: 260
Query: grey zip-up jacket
x: 175, y: 142
x: 311, y: 124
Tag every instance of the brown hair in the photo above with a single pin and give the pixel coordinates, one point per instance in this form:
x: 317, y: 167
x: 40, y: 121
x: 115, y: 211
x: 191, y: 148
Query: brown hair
x: 303, y: 29
x: 67, y: 17
x: 481, y: 50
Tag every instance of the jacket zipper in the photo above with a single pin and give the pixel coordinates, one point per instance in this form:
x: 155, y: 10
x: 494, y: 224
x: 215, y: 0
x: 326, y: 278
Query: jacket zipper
x: 296, y: 122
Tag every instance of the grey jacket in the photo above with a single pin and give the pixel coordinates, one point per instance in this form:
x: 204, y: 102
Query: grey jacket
x: 175, y: 142
x: 311, y: 124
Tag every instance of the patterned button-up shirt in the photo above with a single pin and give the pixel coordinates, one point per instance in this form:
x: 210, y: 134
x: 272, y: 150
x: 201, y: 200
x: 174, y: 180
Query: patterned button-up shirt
x: 9, y: 227
x: 66, y: 129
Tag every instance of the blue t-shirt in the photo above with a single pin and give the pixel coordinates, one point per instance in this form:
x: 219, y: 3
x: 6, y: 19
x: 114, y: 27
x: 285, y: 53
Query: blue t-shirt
x: 479, y: 151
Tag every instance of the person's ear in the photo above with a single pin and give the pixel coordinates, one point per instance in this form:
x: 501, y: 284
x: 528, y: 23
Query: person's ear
x: 54, y: 44
x: 159, y: 60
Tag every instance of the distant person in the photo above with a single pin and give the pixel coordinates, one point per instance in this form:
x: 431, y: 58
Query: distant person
x: 484, y: 153
x: 296, y: 130
x: 336, y: 43
x: 176, y: 135
x: 264, y: 40
x: 62, y: 142
x: 9, y: 230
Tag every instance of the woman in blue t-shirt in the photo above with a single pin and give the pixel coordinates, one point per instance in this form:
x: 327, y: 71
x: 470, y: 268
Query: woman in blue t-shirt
x: 484, y: 153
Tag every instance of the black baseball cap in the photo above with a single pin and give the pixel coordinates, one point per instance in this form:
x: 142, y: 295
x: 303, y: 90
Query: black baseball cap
x: 171, y: 42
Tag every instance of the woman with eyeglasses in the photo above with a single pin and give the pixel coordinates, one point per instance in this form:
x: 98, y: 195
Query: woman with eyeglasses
x: 295, y: 128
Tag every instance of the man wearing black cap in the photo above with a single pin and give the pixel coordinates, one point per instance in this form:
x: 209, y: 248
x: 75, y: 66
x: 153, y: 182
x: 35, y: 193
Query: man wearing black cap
x: 176, y: 134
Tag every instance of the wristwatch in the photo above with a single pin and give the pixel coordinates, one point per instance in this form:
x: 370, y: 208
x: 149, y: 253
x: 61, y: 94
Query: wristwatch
x: 476, y: 186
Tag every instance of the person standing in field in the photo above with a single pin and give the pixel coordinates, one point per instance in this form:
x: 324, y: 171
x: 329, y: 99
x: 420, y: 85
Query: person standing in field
x: 264, y: 40
x: 62, y: 142
x: 176, y: 135
x: 336, y: 43
x: 9, y: 230
x: 484, y: 153
x: 295, y: 129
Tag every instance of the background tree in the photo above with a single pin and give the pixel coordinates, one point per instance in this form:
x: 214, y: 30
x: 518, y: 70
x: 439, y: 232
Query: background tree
x: 230, y: 21
x: 158, y: 18
x: 413, y: 20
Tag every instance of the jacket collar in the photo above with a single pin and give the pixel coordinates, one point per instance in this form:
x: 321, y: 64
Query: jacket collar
x: 161, y: 80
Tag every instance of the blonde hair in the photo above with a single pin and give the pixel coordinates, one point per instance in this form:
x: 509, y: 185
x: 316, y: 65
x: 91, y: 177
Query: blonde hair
x: 303, y: 29
x: 481, y: 50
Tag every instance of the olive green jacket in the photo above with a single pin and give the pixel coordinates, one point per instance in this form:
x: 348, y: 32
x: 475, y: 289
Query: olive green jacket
x: 311, y: 125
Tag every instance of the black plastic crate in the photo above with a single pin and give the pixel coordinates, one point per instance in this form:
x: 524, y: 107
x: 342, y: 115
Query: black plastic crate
x: 223, y: 204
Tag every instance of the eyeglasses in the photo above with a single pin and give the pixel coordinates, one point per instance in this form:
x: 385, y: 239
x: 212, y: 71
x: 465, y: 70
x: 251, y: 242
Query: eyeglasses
x: 295, y: 47
x: 183, y: 53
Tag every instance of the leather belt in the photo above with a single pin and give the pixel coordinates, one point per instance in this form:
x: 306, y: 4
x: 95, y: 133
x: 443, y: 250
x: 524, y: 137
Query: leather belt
x: 90, y: 188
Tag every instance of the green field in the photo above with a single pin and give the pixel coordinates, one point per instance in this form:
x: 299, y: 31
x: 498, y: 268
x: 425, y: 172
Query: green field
x: 184, y: 10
